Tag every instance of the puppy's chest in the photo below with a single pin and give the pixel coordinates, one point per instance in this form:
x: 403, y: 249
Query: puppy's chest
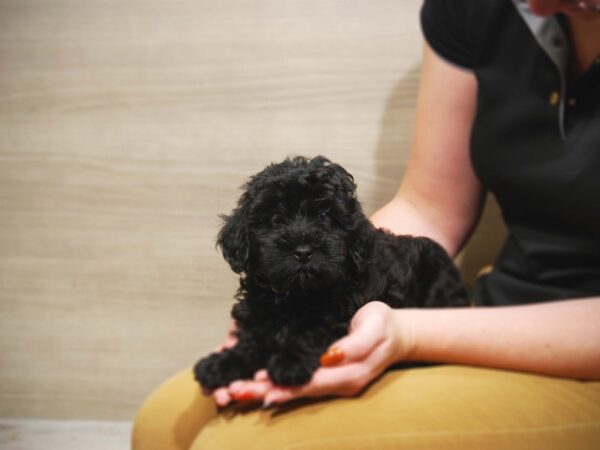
x: 284, y: 322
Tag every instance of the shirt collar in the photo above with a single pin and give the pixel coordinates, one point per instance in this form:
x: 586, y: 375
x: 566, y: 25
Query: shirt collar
x: 551, y: 37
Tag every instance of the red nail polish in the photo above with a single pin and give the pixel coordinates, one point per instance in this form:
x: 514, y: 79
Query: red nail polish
x: 244, y: 396
x: 332, y: 357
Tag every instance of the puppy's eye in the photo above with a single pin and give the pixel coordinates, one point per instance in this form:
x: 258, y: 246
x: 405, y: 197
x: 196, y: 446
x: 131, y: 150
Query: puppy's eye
x: 277, y: 219
x: 323, y: 213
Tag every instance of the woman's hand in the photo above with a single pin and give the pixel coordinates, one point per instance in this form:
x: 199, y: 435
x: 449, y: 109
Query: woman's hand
x: 376, y: 340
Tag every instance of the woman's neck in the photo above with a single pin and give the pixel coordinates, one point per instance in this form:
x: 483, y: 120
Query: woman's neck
x: 584, y: 34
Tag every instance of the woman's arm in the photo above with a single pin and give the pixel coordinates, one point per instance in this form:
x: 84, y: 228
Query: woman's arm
x: 560, y: 338
x: 439, y: 197
x: 557, y: 338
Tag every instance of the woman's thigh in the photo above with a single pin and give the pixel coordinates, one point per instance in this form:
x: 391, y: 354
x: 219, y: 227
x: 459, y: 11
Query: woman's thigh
x: 443, y: 407
x: 172, y: 415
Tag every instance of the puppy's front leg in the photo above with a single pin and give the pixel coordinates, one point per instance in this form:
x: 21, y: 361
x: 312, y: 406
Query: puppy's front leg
x: 292, y: 368
x: 295, y: 363
x: 238, y: 363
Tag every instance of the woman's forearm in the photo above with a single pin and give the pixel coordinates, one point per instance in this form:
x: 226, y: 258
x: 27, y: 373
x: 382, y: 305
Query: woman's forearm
x: 440, y: 195
x: 556, y: 338
x: 401, y: 217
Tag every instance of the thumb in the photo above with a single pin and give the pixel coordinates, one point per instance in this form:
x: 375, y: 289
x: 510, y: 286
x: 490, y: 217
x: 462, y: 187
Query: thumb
x: 365, y: 335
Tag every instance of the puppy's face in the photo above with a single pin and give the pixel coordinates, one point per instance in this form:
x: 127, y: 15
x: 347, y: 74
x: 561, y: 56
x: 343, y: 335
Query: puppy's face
x: 294, y: 226
x: 295, y: 238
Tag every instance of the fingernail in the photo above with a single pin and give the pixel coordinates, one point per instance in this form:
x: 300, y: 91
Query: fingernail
x: 244, y: 396
x: 235, y: 388
x: 261, y: 376
x: 222, y: 399
x: 332, y: 357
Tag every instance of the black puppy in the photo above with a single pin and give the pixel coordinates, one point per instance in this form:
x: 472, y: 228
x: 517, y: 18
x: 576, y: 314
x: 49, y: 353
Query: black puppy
x: 309, y: 259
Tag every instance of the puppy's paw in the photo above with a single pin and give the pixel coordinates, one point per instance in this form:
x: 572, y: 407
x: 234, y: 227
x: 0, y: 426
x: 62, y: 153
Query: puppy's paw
x: 208, y: 372
x: 287, y: 370
x: 219, y: 369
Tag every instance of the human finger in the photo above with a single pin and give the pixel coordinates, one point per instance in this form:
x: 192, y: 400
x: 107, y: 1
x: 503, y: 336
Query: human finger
x: 345, y: 380
x: 261, y: 375
x: 230, y: 339
x: 229, y: 343
x: 221, y: 397
x: 249, y: 390
x: 364, y: 336
x: 326, y: 381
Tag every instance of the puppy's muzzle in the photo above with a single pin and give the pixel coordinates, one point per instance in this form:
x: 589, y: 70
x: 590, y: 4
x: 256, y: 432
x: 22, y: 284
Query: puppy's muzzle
x: 303, y: 253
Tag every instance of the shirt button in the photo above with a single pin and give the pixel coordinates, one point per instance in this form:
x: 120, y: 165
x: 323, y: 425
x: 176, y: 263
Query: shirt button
x: 554, y: 98
x: 572, y: 101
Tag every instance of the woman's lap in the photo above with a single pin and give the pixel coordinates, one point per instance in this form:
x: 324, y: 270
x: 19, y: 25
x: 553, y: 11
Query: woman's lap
x: 427, y: 408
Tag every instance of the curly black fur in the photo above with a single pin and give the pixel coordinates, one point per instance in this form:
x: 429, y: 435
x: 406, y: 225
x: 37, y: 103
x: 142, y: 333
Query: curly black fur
x: 309, y: 259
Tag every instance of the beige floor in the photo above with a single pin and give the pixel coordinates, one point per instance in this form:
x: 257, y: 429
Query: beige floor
x: 63, y: 435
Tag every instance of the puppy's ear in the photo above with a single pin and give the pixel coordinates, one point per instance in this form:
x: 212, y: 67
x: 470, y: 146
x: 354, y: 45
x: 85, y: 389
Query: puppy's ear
x: 357, y: 250
x: 351, y: 216
x: 335, y: 174
x: 233, y: 237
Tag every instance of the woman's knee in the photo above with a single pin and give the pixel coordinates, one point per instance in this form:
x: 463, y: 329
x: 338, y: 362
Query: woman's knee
x: 172, y: 415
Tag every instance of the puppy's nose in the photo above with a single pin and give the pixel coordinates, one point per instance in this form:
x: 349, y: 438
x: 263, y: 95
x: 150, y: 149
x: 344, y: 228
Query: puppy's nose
x: 303, y: 253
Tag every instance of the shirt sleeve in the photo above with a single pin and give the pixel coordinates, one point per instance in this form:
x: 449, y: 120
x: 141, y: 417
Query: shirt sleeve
x: 445, y: 25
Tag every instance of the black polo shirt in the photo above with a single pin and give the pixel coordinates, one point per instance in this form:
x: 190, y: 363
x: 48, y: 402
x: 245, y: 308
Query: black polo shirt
x: 535, y: 143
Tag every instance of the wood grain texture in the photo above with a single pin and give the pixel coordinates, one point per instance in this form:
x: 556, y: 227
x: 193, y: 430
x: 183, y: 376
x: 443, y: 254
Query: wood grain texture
x: 126, y: 127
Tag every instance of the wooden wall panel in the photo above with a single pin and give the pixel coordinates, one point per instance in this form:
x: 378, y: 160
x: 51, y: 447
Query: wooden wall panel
x: 126, y: 127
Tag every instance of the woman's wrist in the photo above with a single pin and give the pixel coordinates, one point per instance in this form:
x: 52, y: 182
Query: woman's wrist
x: 434, y: 334
x: 555, y: 338
x: 404, y: 335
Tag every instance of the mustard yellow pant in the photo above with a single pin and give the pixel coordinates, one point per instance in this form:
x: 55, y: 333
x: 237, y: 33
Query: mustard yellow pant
x: 441, y: 407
